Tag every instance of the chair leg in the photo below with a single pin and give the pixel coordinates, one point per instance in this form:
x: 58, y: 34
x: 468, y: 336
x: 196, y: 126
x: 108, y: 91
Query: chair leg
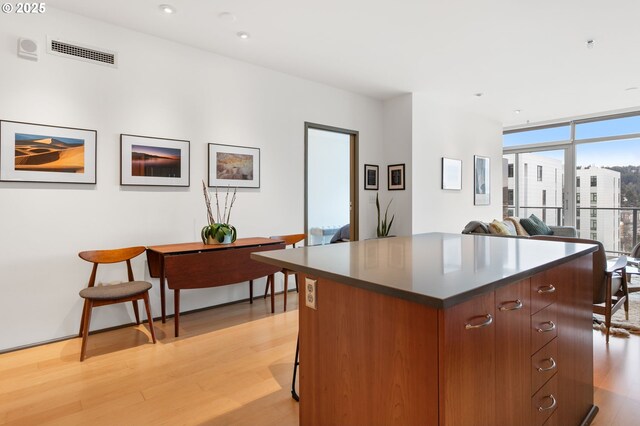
x: 625, y: 291
x: 273, y: 292
x: 251, y: 291
x: 135, y: 311
x: 296, y: 363
x: 266, y: 288
x: 295, y: 276
x: 607, y: 307
x: 84, y: 309
x: 86, y: 320
x: 286, y: 284
x: 147, y: 306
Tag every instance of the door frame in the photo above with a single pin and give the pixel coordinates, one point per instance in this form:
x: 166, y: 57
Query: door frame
x: 353, y: 173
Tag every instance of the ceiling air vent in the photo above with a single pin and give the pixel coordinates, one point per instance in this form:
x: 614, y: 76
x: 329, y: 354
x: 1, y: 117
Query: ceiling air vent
x: 83, y: 53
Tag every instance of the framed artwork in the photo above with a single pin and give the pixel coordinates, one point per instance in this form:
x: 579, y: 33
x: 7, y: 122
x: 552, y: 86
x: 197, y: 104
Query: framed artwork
x: 40, y: 153
x: 395, y: 174
x: 153, y: 161
x: 451, y: 174
x: 371, y: 177
x: 231, y: 165
x: 482, y: 181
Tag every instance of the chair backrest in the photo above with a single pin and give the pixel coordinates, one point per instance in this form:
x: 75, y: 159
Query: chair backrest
x: 111, y: 256
x: 289, y: 240
x: 599, y: 263
x: 635, y: 251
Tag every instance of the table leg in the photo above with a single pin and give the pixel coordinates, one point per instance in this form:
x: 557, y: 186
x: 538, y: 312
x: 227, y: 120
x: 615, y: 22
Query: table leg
x: 273, y: 290
x: 163, y: 306
x: 251, y: 291
x: 176, y: 307
x: 286, y: 284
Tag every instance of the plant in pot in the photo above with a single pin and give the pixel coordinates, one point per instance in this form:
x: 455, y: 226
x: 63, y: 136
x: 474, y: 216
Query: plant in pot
x: 383, y: 227
x: 218, y: 231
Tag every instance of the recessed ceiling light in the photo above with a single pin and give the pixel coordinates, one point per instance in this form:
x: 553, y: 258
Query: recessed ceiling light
x: 590, y: 43
x: 243, y: 35
x: 167, y: 8
x: 517, y: 111
x: 479, y: 94
x: 631, y: 88
x: 227, y: 17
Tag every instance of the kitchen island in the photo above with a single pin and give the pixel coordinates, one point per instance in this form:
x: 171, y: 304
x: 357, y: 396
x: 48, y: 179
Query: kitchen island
x: 444, y: 329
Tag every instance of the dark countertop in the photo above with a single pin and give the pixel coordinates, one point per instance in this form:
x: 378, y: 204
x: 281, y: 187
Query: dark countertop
x: 435, y: 269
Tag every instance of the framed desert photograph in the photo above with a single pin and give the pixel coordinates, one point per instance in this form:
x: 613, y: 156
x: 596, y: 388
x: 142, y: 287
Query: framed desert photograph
x: 451, y: 173
x: 153, y: 161
x: 371, y: 177
x: 231, y: 165
x: 482, y: 181
x: 395, y: 174
x: 41, y: 153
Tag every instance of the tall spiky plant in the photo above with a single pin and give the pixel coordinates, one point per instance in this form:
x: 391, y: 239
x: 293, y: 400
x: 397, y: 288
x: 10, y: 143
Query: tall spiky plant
x: 383, y: 227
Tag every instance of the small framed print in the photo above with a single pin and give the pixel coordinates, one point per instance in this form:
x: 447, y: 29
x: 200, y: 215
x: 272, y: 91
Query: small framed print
x: 395, y: 174
x: 482, y: 181
x: 231, y: 165
x: 153, y: 161
x: 451, y: 174
x: 41, y: 153
x: 371, y: 177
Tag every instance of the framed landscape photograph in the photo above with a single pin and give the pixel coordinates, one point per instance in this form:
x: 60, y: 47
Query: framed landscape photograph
x: 482, y: 181
x: 451, y: 174
x: 231, y: 165
x: 152, y: 161
x: 41, y: 153
x: 371, y: 177
x: 395, y: 174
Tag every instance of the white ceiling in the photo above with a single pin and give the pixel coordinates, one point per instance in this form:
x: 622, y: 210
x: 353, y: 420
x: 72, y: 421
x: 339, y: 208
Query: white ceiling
x: 526, y: 55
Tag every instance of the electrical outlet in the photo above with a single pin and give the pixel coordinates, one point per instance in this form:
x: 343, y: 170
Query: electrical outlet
x: 310, y: 295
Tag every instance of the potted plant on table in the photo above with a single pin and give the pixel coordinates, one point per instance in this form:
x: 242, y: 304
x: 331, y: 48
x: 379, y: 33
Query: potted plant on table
x: 218, y: 231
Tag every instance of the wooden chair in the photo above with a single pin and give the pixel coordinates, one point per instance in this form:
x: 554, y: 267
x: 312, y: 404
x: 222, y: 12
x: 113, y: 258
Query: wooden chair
x: 610, y: 290
x: 289, y: 240
x: 130, y: 291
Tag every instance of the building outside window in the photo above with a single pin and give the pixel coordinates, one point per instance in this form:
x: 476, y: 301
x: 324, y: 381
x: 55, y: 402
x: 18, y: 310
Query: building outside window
x: 594, y: 235
x: 594, y: 181
x: 594, y: 213
x: 544, y: 197
x: 594, y: 197
x: 578, y: 182
x: 510, y: 199
x: 510, y: 170
x: 578, y: 198
x: 539, y: 171
x: 594, y: 225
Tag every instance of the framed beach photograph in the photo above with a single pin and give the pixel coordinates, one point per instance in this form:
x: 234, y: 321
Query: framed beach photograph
x: 149, y: 161
x: 40, y: 153
x: 451, y: 174
x: 371, y: 177
x: 231, y: 165
x: 395, y: 174
x: 482, y: 181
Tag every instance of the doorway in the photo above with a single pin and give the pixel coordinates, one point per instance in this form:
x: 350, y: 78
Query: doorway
x: 331, y: 184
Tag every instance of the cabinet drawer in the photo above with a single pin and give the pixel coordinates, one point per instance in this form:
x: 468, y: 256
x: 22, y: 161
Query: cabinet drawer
x: 543, y: 327
x: 544, y: 402
x: 544, y: 290
x: 544, y: 364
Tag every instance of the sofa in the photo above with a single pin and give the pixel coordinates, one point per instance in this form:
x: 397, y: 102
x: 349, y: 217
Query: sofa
x: 519, y: 227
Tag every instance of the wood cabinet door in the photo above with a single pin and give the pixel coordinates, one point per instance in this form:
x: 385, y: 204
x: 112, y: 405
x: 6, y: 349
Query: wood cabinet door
x: 467, y: 363
x: 513, y: 354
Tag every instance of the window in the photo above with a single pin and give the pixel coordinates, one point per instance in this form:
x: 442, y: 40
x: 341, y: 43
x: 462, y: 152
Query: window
x: 578, y: 181
x: 594, y: 181
x: 544, y: 197
x: 594, y: 236
x: 578, y: 223
x: 608, y: 127
x: 545, y: 134
x: 510, y: 197
x: 578, y: 214
x: 594, y: 197
x: 594, y: 213
x: 539, y: 173
x: 510, y: 170
x: 578, y: 198
x: 594, y: 224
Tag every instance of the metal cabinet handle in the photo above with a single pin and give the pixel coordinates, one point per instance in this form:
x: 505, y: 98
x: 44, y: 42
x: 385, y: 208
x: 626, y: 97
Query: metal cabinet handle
x: 488, y: 321
x: 547, y: 289
x: 551, y: 367
x: 551, y: 328
x: 552, y: 406
x: 516, y: 304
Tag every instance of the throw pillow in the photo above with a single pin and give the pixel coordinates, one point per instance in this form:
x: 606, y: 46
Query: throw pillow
x: 519, y: 228
x: 502, y: 228
x: 535, y: 226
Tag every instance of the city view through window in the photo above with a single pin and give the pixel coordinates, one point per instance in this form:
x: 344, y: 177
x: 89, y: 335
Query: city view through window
x: 591, y: 181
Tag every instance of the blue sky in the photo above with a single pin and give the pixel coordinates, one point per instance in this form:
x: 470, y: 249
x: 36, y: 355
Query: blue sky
x: 25, y: 136
x: 615, y: 153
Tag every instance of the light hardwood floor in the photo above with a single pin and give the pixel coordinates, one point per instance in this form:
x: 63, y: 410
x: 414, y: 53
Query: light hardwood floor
x: 230, y: 366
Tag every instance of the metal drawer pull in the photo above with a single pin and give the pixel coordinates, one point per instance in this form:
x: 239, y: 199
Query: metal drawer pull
x: 489, y: 320
x: 551, y: 367
x: 551, y: 328
x: 552, y: 406
x: 547, y: 289
x: 517, y: 304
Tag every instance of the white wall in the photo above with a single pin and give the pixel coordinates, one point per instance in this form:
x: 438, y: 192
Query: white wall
x: 444, y: 130
x: 161, y: 89
x: 397, y: 150
x: 328, y: 178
